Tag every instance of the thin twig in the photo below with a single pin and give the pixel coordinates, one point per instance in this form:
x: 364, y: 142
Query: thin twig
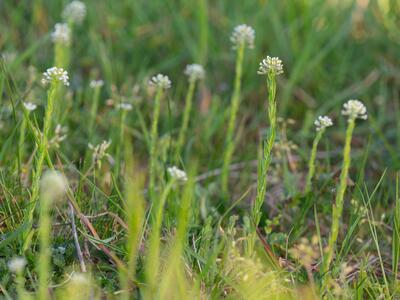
x: 75, y: 234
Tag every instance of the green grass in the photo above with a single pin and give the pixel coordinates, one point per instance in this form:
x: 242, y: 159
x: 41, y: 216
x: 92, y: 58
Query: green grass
x: 142, y: 234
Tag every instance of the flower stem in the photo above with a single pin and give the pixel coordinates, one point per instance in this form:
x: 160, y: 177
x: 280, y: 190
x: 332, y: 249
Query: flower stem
x: 45, y: 251
x: 186, y: 117
x: 154, y: 141
x: 229, y: 142
x: 338, y: 206
x: 311, y: 162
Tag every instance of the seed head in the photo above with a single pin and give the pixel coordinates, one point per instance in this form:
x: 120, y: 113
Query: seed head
x: 96, y: 83
x: 99, y: 152
x: 160, y: 81
x: 194, y: 72
x: 243, y: 35
x: 17, y: 264
x: 323, y: 122
x: 355, y: 109
x: 177, y: 174
x: 29, y: 106
x: 75, y: 11
x: 53, y: 185
x: 55, y: 75
x: 270, y: 65
x: 61, y: 34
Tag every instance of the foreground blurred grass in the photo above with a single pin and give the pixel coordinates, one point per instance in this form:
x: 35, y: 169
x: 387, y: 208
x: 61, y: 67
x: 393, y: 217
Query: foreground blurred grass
x: 332, y: 51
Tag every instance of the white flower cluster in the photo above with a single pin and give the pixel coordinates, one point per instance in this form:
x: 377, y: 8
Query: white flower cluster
x: 160, y: 81
x: 243, y: 35
x: 29, y: 106
x: 177, y: 174
x: 270, y: 65
x: 323, y: 122
x: 17, y: 264
x: 195, y: 72
x: 99, y: 152
x: 75, y: 11
x: 96, y: 83
x: 61, y: 34
x: 55, y: 75
x: 355, y: 109
x: 124, y: 106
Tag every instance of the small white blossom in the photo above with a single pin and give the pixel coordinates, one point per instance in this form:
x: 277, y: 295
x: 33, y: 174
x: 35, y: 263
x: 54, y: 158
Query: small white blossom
x: 17, y: 264
x: 75, y: 11
x: 355, y: 109
x: 60, y: 134
x: 160, y: 81
x: 243, y: 35
x: 323, y: 122
x: 99, y: 152
x: 61, y: 34
x: 194, y: 72
x: 177, y: 174
x: 29, y: 106
x: 53, y: 185
x: 55, y: 75
x: 270, y: 65
x: 125, y: 106
x: 96, y: 83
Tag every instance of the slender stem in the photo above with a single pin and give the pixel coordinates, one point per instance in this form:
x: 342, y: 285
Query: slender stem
x: 93, y: 109
x: 338, y: 206
x: 186, y: 117
x: 121, y: 141
x: 311, y: 162
x: 154, y: 141
x: 44, y: 253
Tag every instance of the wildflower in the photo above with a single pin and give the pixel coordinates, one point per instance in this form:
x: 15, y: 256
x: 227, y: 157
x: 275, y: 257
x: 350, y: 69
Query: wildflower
x: 270, y: 65
x: 55, y: 75
x: 29, y: 106
x: 124, y: 106
x: 99, y: 152
x: 160, y: 81
x: 61, y: 34
x: 243, y: 35
x: 194, y: 72
x: 75, y: 11
x: 355, y: 109
x: 177, y: 174
x: 96, y: 83
x: 53, y: 184
x: 323, y: 122
x: 17, y: 264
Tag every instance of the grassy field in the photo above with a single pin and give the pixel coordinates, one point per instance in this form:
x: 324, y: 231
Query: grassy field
x: 165, y: 150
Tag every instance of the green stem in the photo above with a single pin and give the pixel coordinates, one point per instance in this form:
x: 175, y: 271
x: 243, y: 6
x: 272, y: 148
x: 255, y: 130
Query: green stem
x: 338, y: 206
x: 186, y: 117
x: 93, y: 109
x: 311, y: 162
x: 45, y: 252
x: 121, y: 141
x: 154, y: 141
x: 229, y: 142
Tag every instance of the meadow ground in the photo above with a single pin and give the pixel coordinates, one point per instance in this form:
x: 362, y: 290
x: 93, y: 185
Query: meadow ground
x: 166, y: 150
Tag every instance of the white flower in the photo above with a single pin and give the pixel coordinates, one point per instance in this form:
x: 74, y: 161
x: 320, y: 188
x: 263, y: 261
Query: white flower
x: 17, y: 264
x: 195, y: 72
x: 53, y: 185
x: 243, y: 35
x: 270, y: 65
x: 323, y: 122
x: 124, y: 106
x: 99, y: 152
x: 160, y: 81
x: 29, y: 106
x: 355, y: 109
x: 55, y: 75
x: 177, y: 174
x: 75, y: 11
x: 96, y: 83
x: 61, y: 34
